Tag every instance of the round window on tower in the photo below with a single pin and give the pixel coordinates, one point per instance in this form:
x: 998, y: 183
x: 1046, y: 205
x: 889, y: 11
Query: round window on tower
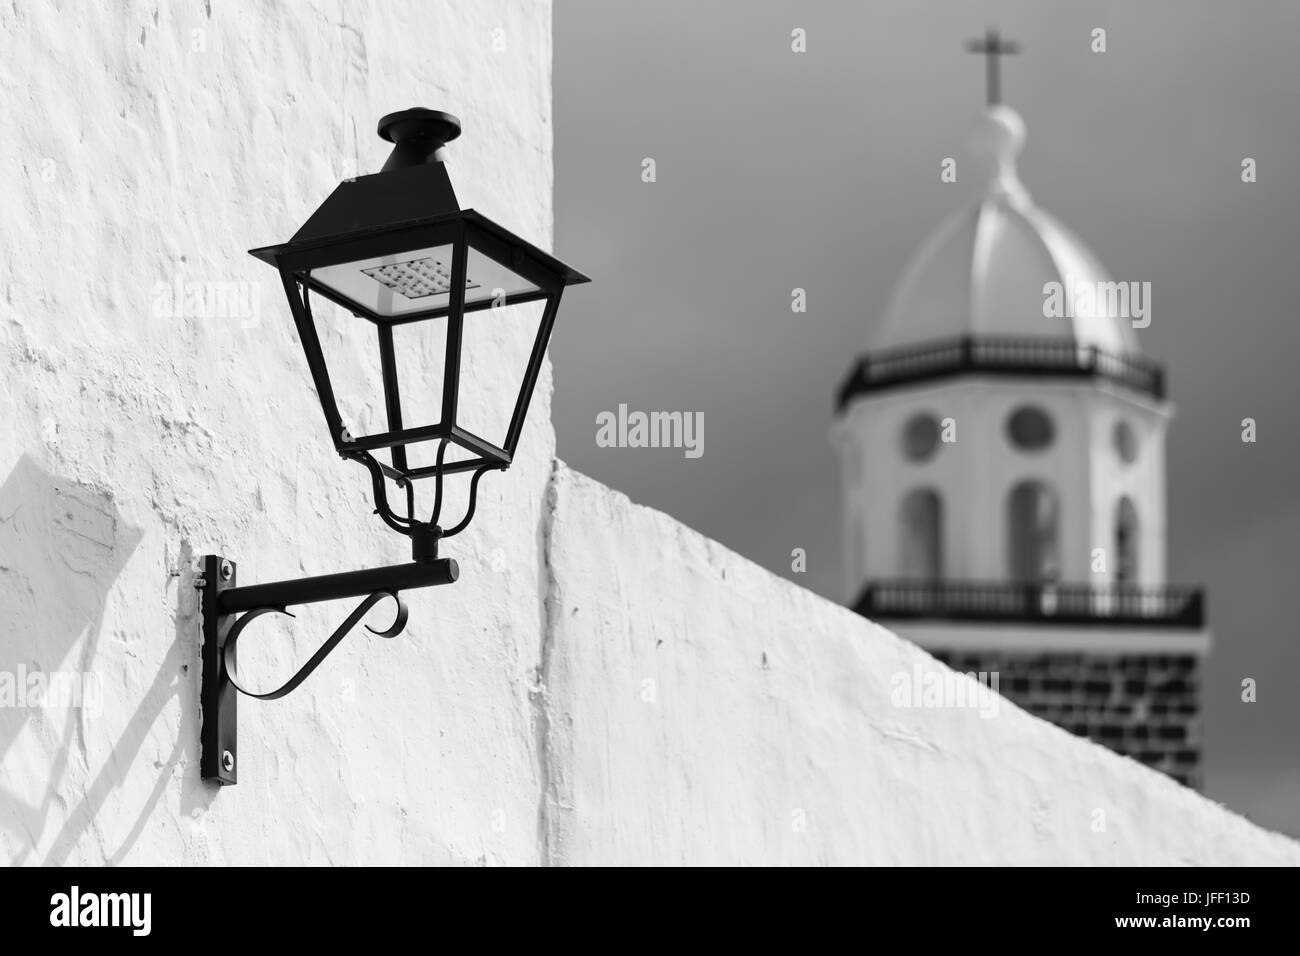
x: 1126, y: 443
x: 1030, y: 428
x: 920, y: 437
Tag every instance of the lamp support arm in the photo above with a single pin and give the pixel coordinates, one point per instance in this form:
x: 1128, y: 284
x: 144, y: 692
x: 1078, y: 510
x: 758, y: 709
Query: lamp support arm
x: 333, y: 587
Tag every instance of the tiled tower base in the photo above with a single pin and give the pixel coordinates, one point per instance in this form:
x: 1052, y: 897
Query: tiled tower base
x: 1142, y: 706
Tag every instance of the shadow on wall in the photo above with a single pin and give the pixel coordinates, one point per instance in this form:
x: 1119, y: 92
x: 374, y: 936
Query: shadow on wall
x: 62, y: 547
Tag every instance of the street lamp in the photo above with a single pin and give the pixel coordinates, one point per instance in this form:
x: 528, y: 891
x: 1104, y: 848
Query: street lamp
x: 393, y: 249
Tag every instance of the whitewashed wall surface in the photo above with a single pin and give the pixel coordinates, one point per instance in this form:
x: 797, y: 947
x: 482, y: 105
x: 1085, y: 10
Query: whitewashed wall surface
x: 602, y: 685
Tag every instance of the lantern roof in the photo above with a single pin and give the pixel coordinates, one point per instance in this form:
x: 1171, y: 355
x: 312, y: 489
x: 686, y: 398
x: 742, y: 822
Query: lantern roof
x: 412, y: 191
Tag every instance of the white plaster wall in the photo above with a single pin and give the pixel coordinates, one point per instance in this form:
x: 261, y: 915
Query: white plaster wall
x: 700, y: 708
x: 146, y: 142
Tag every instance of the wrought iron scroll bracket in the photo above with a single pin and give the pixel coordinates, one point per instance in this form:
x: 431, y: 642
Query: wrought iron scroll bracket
x: 227, y: 610
x: 228, y: 649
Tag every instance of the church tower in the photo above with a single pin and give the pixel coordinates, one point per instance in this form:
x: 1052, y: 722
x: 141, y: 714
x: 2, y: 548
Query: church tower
x: 1002, y: 444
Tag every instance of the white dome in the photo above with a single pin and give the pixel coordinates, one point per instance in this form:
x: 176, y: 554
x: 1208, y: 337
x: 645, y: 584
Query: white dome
x: 982, y: 272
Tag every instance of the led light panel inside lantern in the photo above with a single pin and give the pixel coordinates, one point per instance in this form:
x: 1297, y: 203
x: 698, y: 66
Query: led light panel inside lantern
x: 417, y: 278
x: 418, y: 281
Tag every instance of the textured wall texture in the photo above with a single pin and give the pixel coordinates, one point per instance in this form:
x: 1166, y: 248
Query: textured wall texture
x: 602, y: 684
x: 703, y: 710
x: 149, y: 145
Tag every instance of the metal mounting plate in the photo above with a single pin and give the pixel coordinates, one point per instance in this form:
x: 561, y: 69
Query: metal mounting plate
x: 218, y: 697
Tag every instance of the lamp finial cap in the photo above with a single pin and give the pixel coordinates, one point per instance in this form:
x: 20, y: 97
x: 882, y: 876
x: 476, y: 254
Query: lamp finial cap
x: 418, y: 135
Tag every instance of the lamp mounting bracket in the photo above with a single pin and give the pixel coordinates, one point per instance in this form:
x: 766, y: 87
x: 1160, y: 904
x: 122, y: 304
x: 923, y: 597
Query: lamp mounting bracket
x: 227, y: 610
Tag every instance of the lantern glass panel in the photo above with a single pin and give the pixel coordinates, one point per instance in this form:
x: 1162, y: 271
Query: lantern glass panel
x: 498, y: 343
x: 350, y: 348
x: 419, y: 352
x: 498, y: 280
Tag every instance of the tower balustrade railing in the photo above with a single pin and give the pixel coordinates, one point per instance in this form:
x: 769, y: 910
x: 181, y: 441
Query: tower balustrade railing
x: 999, y: 355
x: 1169, y: 606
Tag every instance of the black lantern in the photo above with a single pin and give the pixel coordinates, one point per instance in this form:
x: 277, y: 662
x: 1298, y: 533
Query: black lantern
x: 396, y: 251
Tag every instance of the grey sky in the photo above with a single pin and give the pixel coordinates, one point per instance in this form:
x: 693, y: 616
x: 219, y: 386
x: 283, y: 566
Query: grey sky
x: 821, y: 170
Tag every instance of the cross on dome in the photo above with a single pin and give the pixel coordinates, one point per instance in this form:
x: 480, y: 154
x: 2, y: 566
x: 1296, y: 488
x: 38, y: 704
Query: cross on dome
x: 992, y: 47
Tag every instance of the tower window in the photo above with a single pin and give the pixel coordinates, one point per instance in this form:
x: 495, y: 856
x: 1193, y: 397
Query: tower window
x: 1125, y: 440
x: 921, y: 518
x: 1032, y: 519
x: 920, y: 437
x: 1030, y: 428
x: 1126, y: 556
